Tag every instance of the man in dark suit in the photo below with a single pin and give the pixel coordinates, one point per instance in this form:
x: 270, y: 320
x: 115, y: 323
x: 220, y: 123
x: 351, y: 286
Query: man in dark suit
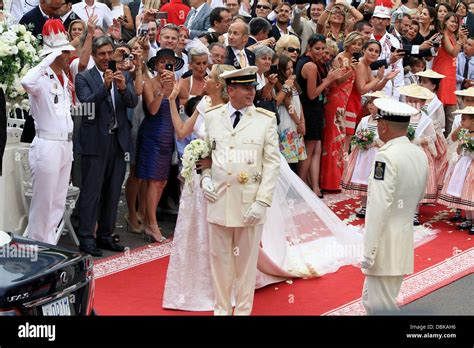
x: 282, y: 25
x: 238, y: 56
x: 104, y: 145
x: 470, y: 23
x: 35, y: 19
x: 259, y: 29
x: 66, y: 13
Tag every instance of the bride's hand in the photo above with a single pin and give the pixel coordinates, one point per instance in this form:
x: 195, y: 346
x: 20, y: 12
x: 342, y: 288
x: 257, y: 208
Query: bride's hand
x: 204, y: 163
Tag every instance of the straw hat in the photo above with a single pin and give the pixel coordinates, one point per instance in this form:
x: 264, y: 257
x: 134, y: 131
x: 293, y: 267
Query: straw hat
x: 416, y: 91
x: 465, y: 92
x: 430, y: 74
x: 468, y: 110
x: 377, y: 94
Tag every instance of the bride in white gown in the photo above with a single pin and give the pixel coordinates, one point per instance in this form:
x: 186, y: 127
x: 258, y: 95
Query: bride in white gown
x: 301, y: 237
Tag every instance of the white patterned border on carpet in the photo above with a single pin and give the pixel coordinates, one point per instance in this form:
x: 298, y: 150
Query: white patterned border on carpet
x: 131, y: 259
x: 421, y: 283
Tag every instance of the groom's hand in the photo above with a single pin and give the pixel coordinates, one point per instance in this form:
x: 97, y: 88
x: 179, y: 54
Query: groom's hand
x: 254, y: 213
x: 208, y: 189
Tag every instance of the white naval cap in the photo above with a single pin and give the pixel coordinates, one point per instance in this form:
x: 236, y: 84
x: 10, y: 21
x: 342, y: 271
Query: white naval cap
x: 392, y: 110
x: 244, y: 76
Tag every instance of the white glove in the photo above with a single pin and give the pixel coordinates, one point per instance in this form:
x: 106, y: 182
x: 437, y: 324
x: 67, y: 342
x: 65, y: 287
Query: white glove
x: 367, y: 263
x: 254, y: 213
x: 208, y: 189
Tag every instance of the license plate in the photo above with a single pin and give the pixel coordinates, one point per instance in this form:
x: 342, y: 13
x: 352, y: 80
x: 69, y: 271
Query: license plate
x: 57, y: 308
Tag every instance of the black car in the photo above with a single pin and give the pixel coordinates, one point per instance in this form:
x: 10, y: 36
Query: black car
x: 40, y: 279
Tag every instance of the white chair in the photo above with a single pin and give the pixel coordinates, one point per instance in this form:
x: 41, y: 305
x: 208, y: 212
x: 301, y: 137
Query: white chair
x: 23, y: 167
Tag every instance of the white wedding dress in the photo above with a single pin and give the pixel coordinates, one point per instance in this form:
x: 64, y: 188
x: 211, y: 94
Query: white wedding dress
x: 301, y: 237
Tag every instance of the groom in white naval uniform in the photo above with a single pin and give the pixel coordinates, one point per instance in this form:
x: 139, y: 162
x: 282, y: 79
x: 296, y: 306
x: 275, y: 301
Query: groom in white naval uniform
x: 396, y: 186
x: 239, y: 187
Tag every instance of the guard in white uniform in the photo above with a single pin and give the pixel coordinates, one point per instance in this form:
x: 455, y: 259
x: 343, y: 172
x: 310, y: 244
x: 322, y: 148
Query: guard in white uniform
x: 239, y: 187
x: 50, y: 155
x: 396, y: 186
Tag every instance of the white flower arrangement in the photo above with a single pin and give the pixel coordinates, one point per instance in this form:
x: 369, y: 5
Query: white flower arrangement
x: 197, y: 149
x: 19, y: 51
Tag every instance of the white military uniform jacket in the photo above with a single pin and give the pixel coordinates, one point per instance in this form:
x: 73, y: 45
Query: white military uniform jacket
x: 245, y: 162
x: 396, y: 186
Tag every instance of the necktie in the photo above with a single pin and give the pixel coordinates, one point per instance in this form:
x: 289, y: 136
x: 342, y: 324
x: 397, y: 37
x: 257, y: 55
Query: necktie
x: 242, y: 61
x: 466, y: 71
x: 237, y: 118
x: 191, y: 17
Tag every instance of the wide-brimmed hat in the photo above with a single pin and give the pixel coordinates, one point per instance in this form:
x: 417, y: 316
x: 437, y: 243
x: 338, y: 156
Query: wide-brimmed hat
x: 4, y: 238
x: 416, y: 91
x: 166, y: 52
x: 469, y: 110
x: 54, y: 37
x: 246, y: 76
x: 430, y: 74
x: 393, y: 110
x: 382, y: 12
x: 469, y: 92
x: 376, y: 94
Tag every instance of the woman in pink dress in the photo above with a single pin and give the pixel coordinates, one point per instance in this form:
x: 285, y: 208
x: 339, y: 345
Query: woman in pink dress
x: 332, y: 162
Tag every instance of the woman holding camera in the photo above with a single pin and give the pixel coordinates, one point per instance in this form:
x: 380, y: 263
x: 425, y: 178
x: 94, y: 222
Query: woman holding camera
x: 332, y: 22
x: 335, y: 135
x: 155, y: 142
x: 444, y: 63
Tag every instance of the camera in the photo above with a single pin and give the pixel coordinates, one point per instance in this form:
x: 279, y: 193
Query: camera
x: 273, y: 69
x: 143, y: 31
x: 112, y: 65
x: 436, y: 44
x: 127, y: 56
x: 356, y: 55
x: 161, y: 15
x: 169, y: 67
x: 378, y: 64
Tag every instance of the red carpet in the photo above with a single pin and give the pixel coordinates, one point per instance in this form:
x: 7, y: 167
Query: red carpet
x: 133, y: 284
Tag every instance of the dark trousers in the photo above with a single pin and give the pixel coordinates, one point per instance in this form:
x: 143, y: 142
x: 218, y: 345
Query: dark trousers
x: 102, y: 179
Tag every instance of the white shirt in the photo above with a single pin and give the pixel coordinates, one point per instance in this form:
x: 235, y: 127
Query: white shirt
x: 232, y: 111
x: 50, y: 100
x: 390, y: 88
x: 103, y: 13
x: 237, y: 53
x: 101, y: 73
x: 261, y: 81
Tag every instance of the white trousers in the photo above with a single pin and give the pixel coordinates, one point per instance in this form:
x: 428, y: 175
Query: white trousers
x: 50, y: 163
x: 234, y: 254
x: 379, y: 294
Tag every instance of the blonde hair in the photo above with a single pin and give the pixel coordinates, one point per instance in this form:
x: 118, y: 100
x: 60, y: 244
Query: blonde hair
x: 216, y: 71
x: 351, y: 38
x: 285, y: 41
x: 332, y: 45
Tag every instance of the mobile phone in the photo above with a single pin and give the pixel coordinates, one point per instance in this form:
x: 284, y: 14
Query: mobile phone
x: 143, y: 31
x: 356, y: 55
x: 378, y: 64
x: 161, y: 15
x: 436, y: 44
x: 169, y: 67
x: 112, y: 65
x: 273, y: 69
x: 464, y: 26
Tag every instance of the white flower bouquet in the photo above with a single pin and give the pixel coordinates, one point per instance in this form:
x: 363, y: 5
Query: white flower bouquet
x: 197, y: 149
x: 18, y: 53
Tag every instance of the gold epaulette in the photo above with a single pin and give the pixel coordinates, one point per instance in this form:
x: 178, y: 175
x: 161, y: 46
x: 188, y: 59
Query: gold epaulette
x: 213, y: 108
x: 266, y: 112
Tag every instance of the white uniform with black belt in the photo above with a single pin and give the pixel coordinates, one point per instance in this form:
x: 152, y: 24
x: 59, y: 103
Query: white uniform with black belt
x: 50, y: 154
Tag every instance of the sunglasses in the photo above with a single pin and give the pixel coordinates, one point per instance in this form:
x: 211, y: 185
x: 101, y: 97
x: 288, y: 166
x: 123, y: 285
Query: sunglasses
x: 293, y: 49
x: 260, y: 7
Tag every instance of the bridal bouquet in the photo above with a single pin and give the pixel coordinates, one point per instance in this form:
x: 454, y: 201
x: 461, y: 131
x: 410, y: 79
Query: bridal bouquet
x: 465, y: 140
x: 363, y: 138
x: 410, y: 133
x: 197, y: 149
x: 18, y: 53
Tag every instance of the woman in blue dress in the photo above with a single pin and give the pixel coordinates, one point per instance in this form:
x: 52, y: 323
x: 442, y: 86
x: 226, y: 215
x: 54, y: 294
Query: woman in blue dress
x: 155, y: 142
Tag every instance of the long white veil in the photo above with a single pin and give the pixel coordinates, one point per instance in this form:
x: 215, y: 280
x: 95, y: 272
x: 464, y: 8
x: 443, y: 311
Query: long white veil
x: 304, y: 238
